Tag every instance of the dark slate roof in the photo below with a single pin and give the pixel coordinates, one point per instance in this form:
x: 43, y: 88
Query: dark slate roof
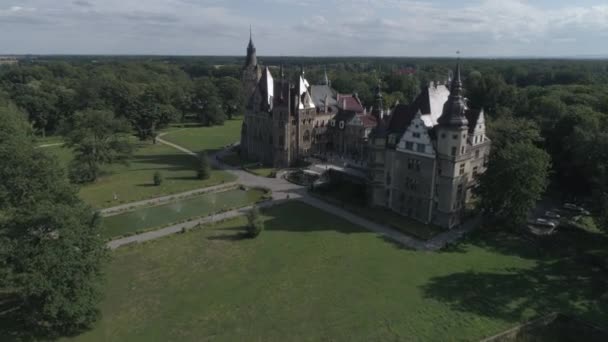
x: 473, y: 116
x: 429, y: 102
x: 321, y: 92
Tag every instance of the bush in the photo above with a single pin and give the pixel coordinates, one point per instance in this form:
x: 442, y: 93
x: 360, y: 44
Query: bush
x: 80, y: 172
x: 203, y: 170
x: 158, y: 178
x: 255, y: 225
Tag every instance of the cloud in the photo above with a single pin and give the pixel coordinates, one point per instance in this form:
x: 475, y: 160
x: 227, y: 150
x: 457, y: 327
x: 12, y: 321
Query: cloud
x: 306, y: 27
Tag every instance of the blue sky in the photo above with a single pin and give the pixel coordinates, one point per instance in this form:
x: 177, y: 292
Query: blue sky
x: 306, y: 27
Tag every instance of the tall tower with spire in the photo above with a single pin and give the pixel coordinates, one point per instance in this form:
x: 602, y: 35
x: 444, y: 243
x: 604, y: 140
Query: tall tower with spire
x: 453, y: 155
x: 252, y: 72
x: 378, y: 103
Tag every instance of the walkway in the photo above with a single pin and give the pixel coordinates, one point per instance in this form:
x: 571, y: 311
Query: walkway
x: 281, y: 191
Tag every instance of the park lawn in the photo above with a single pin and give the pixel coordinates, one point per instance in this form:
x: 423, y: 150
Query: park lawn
x: 201, y: 138
x: 313, y: 276
x: 133, y: 182
x: 149, y: 218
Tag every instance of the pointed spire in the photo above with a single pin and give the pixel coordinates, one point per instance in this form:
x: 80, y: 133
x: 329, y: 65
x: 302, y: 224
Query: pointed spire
x: 378, y: 103
x: 252, y: 59
x: 282, y: 72
x: 455, y: 107
x: 325, y: 78
x: 302, y: 72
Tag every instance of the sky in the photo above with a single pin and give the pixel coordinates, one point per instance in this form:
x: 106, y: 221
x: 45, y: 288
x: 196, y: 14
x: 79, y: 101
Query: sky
x: 478, y: 28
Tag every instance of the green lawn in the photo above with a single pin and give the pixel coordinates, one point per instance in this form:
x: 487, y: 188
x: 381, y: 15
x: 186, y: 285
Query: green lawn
x: 312, y: 276
x: 133, y: 182
x: 199, y: 138
x: 180, y: 210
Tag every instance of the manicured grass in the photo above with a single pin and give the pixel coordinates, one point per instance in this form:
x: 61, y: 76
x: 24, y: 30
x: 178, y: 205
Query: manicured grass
x: 312, y: 276
x: 133, y: 182
x: 199, y: 138
x: 180, y: 210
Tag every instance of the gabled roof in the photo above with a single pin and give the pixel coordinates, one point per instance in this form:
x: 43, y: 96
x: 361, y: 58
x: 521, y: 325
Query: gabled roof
x: 350, y: 102
x: 429, y: 102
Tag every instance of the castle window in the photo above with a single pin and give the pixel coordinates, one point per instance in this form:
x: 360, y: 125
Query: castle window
x: 409, y: 145
x: 443, y: 136
x: 417, y: 165
x: 462, y: 166
x: 421, y: 148
x: 475, y: 171
x: 477, y: 154
x: 462, y: 150
x: 459, y: 191
x: 453, y: 151
x: 455, y: 136
x: 307, y: 136
x: 410, y: 164
x: 388, y: 179
x: 281, y: 141
x: 416, y: 135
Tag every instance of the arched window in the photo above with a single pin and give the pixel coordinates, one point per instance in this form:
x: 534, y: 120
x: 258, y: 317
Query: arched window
x: 307, y: 136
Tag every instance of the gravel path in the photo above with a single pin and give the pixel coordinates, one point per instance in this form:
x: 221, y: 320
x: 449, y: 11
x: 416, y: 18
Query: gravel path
x: 283, y: 190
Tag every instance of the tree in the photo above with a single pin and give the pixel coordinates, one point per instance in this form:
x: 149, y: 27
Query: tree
x: 203, y: 170
x: 158, y: 178
x: 147, y: 114
x: 515, y: 179
x: 255, y: 225
x: 51, y: 251
x: 233, y: 98
x: 207, y: 104
x: 97, y: 138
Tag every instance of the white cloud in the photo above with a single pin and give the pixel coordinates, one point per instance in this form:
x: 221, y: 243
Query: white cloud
x: 310, y: 27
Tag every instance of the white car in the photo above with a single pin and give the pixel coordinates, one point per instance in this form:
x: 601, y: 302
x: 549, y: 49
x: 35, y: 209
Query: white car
x: 545, y: 223
x: 552, y: 215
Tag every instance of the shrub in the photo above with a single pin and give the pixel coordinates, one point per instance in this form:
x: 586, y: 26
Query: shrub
x: 203, y: 170
x: 158, y: 178
x: 255, y: 225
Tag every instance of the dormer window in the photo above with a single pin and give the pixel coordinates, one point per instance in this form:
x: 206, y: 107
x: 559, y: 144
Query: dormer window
x: 341, y: 124
x: 416, y: 135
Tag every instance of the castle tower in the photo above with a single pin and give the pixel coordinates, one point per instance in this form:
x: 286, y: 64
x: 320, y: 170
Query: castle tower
x: 378, y: 103
x: 251, y: 70
x: 453, y: 156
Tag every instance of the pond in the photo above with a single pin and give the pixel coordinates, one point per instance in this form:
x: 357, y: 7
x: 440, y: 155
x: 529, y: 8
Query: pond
x: 164, y: 215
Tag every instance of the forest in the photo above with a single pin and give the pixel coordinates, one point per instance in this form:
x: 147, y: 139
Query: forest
x: 561, y: 104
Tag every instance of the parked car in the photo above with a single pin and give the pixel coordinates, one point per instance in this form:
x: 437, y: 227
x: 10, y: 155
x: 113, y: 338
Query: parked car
x: 575, y: 208
x: 541, y: 222
x: 552, y: 215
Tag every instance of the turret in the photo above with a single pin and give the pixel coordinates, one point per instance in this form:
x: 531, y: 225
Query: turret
x: 252, y: 59
x: 378, y: 103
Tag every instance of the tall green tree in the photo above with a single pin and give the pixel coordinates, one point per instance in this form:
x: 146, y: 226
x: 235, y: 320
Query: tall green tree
x: 206, y: 103
x: 515, y: 180
x: 50, y: 246
x: 233, y: 98
x: 97, y: 138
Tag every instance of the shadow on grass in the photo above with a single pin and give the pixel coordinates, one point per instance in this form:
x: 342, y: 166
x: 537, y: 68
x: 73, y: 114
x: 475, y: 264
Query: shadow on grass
x: 229, y: 237
x: 572, y: 280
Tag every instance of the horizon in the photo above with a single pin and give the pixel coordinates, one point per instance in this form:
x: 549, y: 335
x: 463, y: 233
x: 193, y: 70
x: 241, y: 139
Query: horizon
x: 309, y: 28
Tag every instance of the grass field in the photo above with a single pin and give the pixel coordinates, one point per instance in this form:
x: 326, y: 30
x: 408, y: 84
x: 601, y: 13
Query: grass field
x: 312, y: 276
x: 180, y: 210
x: 199, y: 138
x: 133, y: 182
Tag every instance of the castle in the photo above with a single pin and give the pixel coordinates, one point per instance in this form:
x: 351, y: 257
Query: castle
x: 422, y: 159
